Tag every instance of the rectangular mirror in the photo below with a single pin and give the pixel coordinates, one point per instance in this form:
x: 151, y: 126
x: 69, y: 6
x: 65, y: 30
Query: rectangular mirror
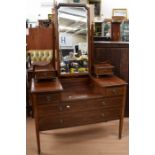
x: 73, y: 39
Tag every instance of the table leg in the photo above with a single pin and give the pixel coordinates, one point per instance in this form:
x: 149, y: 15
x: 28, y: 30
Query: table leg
x: 38, y: 141
x: 120, y: 128
x: 122, y: 114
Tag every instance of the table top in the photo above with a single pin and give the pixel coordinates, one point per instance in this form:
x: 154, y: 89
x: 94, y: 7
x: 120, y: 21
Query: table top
x: 55, y: 84
x: 46, y: 86
x: 107, y: 81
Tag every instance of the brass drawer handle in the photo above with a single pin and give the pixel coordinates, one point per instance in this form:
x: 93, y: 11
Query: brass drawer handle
x: 102, y: 114
x: 114, y: 91
x: 48, y: 98
x: 44, y: 74
x: 61, y: 121
x: 60, y: 108
x: 103, y: 103
x: 68, y: 106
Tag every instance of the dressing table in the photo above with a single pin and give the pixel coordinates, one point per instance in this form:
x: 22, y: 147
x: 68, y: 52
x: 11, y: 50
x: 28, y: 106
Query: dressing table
x: 75, y: 98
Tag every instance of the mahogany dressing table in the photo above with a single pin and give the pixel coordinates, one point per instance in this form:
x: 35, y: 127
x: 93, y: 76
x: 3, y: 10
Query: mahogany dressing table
x: 77, y: 101
x: 75, y: 97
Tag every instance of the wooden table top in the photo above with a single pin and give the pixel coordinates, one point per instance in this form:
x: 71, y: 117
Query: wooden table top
x: 109, y: 81
x: 55, y: 85
x: 46, y: 86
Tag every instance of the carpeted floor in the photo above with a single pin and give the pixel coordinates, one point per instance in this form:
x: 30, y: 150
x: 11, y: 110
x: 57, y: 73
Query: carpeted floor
x: 96, y: 139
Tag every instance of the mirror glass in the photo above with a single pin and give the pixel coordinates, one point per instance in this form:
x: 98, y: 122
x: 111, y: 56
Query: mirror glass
x: 73, y: 40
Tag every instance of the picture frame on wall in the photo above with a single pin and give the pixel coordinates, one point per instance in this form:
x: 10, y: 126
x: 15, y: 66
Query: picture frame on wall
x: 120, y: 13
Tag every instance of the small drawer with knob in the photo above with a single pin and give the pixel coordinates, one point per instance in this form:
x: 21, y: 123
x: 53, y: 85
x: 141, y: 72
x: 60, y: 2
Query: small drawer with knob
x: 103, y: 69
x: 48, y: 98
x: 112, y: 102
x: 115, y: 91
x: 44, y: 74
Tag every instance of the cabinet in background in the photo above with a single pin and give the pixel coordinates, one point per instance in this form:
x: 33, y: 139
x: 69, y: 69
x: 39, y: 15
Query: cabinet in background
x: 117, y: 54
x: 125, y: 30
x: 115, y: 28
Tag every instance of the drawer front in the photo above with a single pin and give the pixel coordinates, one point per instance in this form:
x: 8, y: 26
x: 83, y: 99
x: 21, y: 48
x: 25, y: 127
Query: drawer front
x: 100, y: 71
x: 44, y: 75
x: 112, y: 102
x: 83, y: 105
x: 48, y: 98
x: 82, y: 118
x: 48, y: 109
x: 114, y: 91
x: 110, y: 113
x: 90, y: 117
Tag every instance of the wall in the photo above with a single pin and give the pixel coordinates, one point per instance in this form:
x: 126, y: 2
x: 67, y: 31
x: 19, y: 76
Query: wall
x: 108, y: 5
x: 38, y: 9
x: 71, y: 1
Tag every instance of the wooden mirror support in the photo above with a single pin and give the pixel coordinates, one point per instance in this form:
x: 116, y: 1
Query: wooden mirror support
x: 73, y: 39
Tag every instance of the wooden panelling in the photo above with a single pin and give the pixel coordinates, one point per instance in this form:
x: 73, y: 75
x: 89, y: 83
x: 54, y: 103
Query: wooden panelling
x: 117, y: 54
x: 115, y: 31
x: 40, y: 38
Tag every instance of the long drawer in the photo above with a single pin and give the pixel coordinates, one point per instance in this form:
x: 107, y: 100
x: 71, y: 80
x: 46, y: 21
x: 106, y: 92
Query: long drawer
x: 91, y: 117
x: 76, y: 106
x: 81, y: 118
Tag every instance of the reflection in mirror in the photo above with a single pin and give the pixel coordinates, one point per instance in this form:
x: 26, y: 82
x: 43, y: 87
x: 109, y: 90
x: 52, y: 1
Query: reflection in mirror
x: 73, y: 40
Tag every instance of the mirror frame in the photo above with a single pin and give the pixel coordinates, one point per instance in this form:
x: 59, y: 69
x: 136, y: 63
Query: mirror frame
x: 57, y: 38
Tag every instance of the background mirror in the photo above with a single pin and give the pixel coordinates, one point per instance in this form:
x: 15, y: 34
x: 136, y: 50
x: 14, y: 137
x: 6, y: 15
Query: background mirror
x: 73, y: 40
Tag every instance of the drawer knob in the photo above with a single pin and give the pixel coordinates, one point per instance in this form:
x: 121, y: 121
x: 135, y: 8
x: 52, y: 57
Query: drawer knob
x: 68, y: 106
x: 102, y: 114
x: 48, y: 98
x: 103, y: 103
x: 61, y: 121
x: 114, y: 91
x: 60, y: 108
